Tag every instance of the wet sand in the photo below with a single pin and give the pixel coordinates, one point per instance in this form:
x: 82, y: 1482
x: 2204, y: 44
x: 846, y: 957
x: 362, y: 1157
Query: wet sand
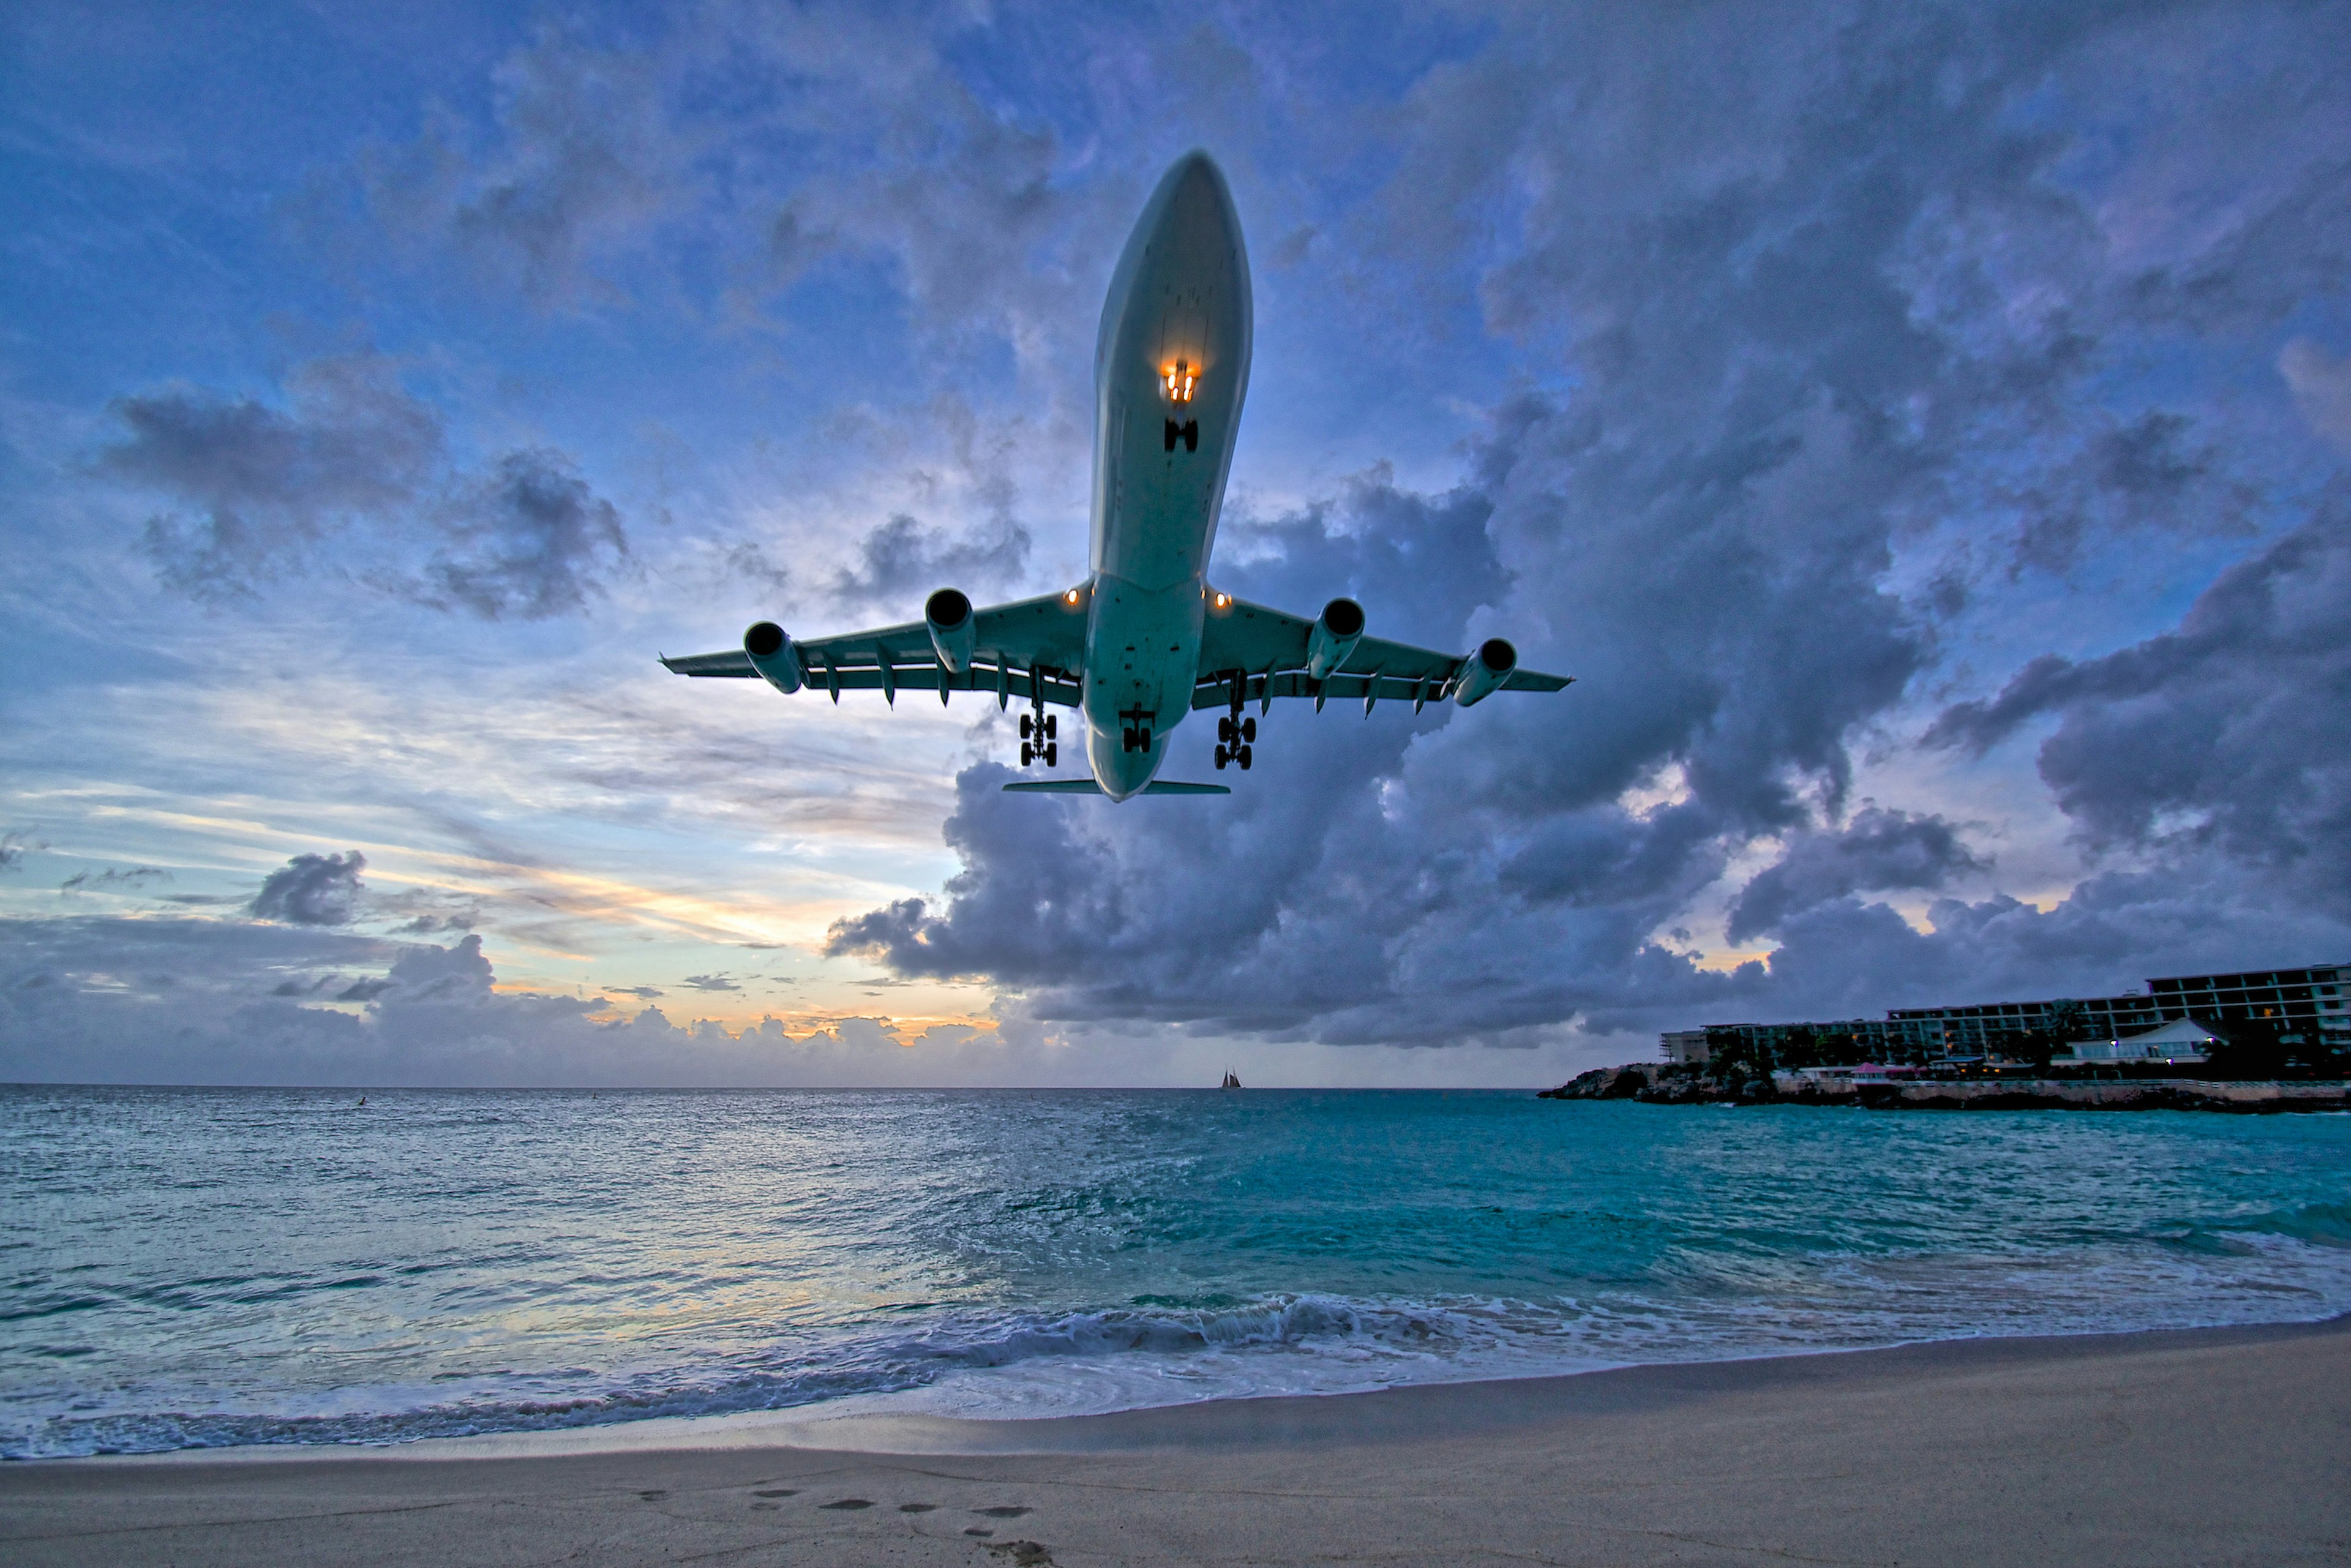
x: 2203, y: 1446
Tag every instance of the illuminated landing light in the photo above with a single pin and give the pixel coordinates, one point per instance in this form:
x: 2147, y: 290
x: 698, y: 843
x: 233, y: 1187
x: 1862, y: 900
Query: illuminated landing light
x: 1223, y: 602
x: 1070, y: 597
x: 1179, y: 379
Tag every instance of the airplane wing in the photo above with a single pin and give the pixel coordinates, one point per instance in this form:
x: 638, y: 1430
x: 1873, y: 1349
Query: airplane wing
x: 1021, y: 649
x: 1264, y: 651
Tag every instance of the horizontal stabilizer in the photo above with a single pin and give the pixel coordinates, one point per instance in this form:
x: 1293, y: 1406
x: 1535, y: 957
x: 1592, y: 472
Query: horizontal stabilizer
x: 1088, y: 787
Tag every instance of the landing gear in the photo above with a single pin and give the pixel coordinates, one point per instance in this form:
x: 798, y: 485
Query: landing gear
x: 1235, y: 736
x: 1188, y: 433
x: 1135, y: 737
x: 1037, y: 731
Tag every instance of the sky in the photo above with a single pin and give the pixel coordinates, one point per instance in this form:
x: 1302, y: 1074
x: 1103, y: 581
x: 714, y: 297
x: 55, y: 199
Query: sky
x: 1922, y: 431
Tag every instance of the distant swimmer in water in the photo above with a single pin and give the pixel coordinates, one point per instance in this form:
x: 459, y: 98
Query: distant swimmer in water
x: 363, y: 1101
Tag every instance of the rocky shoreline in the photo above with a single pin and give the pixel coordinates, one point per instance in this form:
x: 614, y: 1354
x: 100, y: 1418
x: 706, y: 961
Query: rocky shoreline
x: 1652, y: 1084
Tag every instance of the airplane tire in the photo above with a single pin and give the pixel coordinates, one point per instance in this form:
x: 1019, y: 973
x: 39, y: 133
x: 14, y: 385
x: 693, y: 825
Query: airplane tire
x: 1024, y: 726
x: 1172, y: 433
x: 1052, y: 754
x: 1248, y: 732
x: 1225, y: 729
x: 1191, y: 435
x: 1028, y: 754
x: 1052, y: 727
x: 1222, y: 757
x: 1127, y: 738
x: 1243, y: 758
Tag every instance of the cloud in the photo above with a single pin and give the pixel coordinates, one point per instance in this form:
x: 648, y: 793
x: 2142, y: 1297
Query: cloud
x: 710, y: 983
x: 353, y: 472
x: 311, y: 890
x: 583, y: 154
x: 903, y: 558
x: 268, y: 483
x: 529, y: 540
x: 2321, y: 384
x: 2231, y: 730
x: 12, y: 846
x: 112, y: 877
x: 1878, y: 850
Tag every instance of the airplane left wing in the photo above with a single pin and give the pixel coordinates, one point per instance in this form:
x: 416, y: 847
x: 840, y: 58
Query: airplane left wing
x: 1265, y: 652
x: 1028, y: 649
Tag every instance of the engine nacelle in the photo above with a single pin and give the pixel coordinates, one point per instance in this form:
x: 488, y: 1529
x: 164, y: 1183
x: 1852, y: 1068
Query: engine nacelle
x: 1336, y: 631
x: 1485, y: 671
x: 772, y: 655
x: 954, y: 632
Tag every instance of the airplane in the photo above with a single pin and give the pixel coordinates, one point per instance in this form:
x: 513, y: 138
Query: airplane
x: 1145, y: 640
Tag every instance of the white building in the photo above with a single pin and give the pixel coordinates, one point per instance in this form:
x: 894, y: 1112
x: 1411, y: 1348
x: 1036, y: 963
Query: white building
x: 2181, y: 1041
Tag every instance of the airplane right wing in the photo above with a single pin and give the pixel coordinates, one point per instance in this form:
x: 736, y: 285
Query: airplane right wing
x: 1251, y: 653
x: 1029, y: 649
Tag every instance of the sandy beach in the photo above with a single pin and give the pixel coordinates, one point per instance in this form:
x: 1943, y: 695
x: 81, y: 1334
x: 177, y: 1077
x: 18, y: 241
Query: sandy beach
x: 2196, y: 1446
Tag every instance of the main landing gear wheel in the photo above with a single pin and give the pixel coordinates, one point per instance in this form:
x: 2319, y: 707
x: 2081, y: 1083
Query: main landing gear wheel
x: 1242, y: 756
x: 1223, y: 757
x: 1025, y: 727
x: 1028, y: 752
x: 1052, y: 754
x: 1237, y: 732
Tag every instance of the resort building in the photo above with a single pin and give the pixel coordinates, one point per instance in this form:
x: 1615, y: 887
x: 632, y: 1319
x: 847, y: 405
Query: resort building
x: 2181, y: 1041
x: 2314, y: 1003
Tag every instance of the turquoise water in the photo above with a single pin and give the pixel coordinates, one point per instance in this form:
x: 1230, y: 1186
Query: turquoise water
x: 208, y: 1267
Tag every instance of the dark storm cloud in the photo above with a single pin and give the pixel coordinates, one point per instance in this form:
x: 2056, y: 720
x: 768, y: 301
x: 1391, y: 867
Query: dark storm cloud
x: 2234, y: 728
x: 1821, y: 283
x: 1877, y: 851
x: 530, y: 540
x: 352, y: 473
x: 311, y: 890
x: 268, y: 484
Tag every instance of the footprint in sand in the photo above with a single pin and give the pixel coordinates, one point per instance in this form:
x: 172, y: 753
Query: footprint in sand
x: 848, y: 1503
x: 653, y: 1496
x: 917, y: 1507
x: 1002, y: 1512
x: 777, y: 1491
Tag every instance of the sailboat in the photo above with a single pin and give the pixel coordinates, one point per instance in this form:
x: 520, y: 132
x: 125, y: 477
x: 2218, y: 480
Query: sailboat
x: 1230, y: 1081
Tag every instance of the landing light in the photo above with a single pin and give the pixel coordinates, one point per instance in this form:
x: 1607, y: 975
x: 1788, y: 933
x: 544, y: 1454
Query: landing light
x: 1179, y: 378
x: 1070, y: 597
x: 1223, y: 602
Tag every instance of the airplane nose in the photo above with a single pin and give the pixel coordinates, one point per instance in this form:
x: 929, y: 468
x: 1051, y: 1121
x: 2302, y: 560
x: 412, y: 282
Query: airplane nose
x: 1198, y: 200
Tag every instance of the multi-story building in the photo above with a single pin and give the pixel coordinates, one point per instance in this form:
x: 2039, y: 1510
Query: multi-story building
x: 2315, y: 1001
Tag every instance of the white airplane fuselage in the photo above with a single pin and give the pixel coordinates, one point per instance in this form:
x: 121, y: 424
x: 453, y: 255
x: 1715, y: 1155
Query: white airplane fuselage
x: 1171, y: 368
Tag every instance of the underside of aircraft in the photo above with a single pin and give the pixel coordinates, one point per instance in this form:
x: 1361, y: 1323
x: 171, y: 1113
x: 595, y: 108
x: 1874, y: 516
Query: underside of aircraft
x: 1145, y: 641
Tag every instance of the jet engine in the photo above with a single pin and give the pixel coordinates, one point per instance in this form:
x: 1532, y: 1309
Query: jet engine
x: 1485, y: 671
x: 1336, y: 631
x: 772, y: 655
x: 954, y: 632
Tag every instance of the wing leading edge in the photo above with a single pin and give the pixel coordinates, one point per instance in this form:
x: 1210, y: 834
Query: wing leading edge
x: 1250, y: 653
x: 1029, y: 649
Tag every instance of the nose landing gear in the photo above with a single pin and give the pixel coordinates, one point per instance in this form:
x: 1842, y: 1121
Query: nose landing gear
x: 1188, y: 433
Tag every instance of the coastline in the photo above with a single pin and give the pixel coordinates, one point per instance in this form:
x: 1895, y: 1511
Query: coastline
x: 2187, y: 1445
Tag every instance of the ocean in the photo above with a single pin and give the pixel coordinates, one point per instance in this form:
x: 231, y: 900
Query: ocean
x: 204, y: 1268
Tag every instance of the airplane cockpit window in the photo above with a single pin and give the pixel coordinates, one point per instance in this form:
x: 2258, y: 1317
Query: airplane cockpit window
x: 1179, y: 378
